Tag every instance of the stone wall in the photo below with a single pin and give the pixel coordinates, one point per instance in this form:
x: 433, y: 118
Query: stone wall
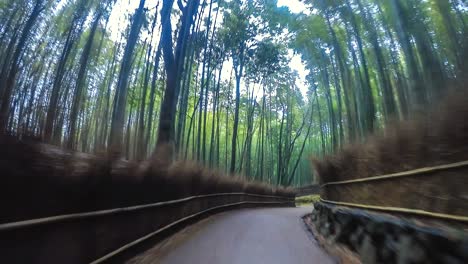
x: 382, y: 238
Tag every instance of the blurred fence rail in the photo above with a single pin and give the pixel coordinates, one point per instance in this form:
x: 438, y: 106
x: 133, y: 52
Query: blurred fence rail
x: 94, y: 237
x: 439, y: 191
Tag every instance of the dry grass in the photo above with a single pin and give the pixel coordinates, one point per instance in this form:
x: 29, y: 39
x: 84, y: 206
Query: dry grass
x: 439, y: 136
x: 307, y: 200
x: 40, y: 180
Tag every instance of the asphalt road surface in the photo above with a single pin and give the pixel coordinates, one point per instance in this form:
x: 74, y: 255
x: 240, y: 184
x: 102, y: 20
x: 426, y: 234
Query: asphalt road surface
x: 268, y: 235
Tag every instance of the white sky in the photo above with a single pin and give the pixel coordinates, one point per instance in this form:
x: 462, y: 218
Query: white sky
x: 119, y: 20
x: 294, y: 5
x: 296, y: 64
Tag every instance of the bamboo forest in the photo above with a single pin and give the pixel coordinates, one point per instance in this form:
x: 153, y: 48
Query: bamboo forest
x: 250, y: 87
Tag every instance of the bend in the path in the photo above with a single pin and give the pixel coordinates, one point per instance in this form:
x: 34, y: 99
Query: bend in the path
x: 269, y: 235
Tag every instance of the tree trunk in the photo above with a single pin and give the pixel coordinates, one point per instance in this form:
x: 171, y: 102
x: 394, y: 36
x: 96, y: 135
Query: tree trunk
x: 7, y: 87
x: 346, y: 82
x: 173, y: 66
x: 80, y: 82
x: 416, y: 83
x: 73, y: 34
x: 386, y: 86
x: 149, y: 122
x: 120, y: 100
x: 238, y: 73
x: 369, y: 106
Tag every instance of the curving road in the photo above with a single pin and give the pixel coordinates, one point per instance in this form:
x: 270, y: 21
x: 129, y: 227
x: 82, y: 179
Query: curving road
x: 269, y: 235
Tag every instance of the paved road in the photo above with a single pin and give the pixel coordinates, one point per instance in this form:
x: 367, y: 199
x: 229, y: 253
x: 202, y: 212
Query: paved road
x: 270, y: 235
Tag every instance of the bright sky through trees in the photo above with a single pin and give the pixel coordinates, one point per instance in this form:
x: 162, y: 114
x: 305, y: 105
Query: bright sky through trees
x: 118, y: 21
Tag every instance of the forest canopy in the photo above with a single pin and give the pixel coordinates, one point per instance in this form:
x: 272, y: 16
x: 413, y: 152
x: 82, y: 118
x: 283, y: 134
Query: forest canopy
x: 254, y: 87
